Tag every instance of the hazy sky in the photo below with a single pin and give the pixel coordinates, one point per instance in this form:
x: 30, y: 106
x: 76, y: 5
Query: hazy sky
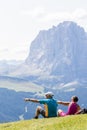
x: 21, y: 21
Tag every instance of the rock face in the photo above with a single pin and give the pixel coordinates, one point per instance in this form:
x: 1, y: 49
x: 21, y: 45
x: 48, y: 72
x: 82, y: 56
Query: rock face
x: 61, y: 50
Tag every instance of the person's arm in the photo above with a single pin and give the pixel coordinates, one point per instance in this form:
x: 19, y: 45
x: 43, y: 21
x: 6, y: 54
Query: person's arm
x: 78, y: 110
x: 63, y: 103
x: 31, y: 100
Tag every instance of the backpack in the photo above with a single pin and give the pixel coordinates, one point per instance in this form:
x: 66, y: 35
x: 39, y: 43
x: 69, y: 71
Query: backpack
x: 83, y: 111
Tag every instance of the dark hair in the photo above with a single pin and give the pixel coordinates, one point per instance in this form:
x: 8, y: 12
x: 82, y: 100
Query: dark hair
x: 75, y: 98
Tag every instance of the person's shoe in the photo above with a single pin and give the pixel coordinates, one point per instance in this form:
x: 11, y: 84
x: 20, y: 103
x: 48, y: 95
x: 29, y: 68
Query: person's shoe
x: 36, y: 117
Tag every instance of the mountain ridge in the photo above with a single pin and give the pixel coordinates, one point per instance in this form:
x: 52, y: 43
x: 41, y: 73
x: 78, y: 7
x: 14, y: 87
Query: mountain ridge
x: 58, y: 49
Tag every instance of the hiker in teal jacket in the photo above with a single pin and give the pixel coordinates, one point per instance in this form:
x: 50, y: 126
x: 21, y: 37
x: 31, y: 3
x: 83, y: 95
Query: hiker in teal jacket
x: 50, y: 106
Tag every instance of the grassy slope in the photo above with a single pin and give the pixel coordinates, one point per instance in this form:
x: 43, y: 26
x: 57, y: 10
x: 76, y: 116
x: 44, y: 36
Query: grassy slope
x: 78, y: 122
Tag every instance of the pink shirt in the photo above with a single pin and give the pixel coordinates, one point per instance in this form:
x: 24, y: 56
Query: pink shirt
x: 72, y: 108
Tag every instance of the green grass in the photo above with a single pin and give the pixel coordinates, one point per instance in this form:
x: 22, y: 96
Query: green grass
x: 77, y: 122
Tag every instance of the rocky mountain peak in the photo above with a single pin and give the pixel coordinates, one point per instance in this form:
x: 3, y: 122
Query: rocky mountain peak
x: 61, y: 50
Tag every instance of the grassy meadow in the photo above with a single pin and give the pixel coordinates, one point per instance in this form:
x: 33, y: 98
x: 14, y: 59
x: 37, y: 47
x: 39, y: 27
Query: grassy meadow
x: 76, y: 122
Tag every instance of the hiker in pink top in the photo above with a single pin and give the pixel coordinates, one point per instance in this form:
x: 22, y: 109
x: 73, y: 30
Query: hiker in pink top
x: 73, y: 107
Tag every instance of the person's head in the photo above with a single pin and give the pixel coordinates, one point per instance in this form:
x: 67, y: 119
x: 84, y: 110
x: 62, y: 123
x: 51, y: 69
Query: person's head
x: 49, y: 95
x: 74, y: 99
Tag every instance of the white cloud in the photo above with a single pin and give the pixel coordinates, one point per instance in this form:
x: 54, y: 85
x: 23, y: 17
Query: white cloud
x: 79, y: 13
x: 47, y: 19
x: 79, y: 16
x: 18, y: 51
x: 36, y: 12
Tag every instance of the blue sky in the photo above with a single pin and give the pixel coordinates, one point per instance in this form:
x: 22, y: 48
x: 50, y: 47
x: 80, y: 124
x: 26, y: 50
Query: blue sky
x: 21, y: 21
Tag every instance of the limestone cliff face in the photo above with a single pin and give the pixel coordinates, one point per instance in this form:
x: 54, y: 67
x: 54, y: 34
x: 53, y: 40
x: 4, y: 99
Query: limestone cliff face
x: 61, y: 50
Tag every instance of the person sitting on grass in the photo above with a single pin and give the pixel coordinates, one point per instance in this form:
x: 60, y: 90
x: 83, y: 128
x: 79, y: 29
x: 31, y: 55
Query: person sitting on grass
x: 50, y: 106
x: 73, y: 107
